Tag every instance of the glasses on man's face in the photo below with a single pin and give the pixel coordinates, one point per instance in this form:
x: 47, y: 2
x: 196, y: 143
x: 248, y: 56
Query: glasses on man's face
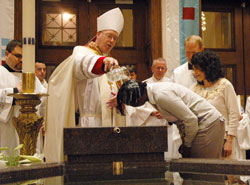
x: 111, y: 36
x: 19, y: 56
x: 160, y: 68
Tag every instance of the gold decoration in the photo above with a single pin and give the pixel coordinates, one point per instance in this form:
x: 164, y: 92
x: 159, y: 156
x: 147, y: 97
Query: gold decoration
x: 28, y: 82
x: 117, y: 168
x: 28, y: 123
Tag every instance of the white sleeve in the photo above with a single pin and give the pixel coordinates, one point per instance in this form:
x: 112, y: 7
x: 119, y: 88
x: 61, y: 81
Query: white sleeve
x: 171, y: 103
x: 172, y: 77
x: 5, y: 103
x: 84, y: 61
x: 137, y: 116
x: 41, y: 108
x: 233, y: 109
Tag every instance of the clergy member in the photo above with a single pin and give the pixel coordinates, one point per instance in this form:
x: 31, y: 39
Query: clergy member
x: 184, y: 73
x: 76, y: 85
x: 11, y: 77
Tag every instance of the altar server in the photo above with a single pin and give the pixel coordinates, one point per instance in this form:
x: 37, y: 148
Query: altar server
x: 11, y: 77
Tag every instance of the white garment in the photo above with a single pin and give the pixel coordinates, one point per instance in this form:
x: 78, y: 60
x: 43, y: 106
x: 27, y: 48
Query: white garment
x: 243, y: 131
x: 193, y: 111
x: 247, y: 109
x: 45, y: 84
x: 91, y: 94
x: 154, y: 80
x: 182, y: 75
x: 73, y: 86
x: 9, y: 80
x: 141, y: 116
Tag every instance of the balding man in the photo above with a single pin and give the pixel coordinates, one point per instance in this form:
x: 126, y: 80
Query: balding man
x: 159, y: 69
x: 184, y: 74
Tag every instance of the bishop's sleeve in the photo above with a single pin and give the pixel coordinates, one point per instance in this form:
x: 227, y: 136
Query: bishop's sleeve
x: 84, y: 62
x: 5, y: 104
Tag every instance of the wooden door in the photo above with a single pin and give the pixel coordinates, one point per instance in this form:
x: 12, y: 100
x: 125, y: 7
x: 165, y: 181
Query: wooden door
x: 87, y: 12
x: 246, y: 46
x: 235, y: 56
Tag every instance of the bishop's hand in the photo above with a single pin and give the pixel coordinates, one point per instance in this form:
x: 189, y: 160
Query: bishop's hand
x: 110, y: 63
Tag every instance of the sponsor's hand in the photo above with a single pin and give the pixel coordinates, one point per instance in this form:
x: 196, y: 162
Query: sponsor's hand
x: 112, y: 102
x: 241, y: 115
x: 110, y: 63
x: 19, y: 87
x: 227, y: 149
x: 157, y: 114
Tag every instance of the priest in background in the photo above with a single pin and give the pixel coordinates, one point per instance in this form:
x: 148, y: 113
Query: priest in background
x: 40, y: 69
x: 11, y: 77
x: 78, y: 84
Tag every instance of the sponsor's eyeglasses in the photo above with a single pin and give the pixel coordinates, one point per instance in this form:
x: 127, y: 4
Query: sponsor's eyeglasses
x: 160, y: 68
x: 19, y: 56
x: 110, y: 36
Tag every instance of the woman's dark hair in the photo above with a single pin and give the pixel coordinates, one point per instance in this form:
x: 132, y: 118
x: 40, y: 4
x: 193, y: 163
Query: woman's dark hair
x: 129, y: 93
x: 209, y: 63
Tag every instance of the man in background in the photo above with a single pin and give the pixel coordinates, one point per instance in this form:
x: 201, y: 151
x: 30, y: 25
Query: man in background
x: 184, y: 73
x: 147, y: 114
x: 41, y: 72
x: 159, y: 69
x: 11, y: 77
x: 132, y: 72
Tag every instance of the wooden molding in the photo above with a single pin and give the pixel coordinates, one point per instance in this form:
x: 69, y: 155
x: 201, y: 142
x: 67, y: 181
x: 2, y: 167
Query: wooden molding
x: 18, y: 20
x: 156, y: 28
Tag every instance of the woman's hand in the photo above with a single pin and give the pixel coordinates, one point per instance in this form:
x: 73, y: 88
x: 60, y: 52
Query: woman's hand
x: 228, y: 146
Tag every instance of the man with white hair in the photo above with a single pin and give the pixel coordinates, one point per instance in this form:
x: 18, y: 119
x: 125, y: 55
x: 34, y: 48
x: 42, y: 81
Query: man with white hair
x: 76, y: 85
x: 159, y: 69
x: 147, y: 114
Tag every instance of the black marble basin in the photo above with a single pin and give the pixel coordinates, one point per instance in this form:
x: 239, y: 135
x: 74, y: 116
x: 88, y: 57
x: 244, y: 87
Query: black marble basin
x: 190, y: 170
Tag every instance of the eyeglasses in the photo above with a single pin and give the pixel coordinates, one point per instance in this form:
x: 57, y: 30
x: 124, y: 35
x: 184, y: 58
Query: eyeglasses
x: 110, y: 36
x: 19, y: 56
x: 160, y: 68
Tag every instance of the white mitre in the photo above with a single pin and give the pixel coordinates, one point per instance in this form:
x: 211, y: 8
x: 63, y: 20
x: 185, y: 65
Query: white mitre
x: 111, y: 20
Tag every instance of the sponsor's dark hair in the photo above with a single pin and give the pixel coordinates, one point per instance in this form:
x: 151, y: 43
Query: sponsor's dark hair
x: 210, y: 64
x: 129, y: 93
x: 40, y: 61
x: 12, y: 44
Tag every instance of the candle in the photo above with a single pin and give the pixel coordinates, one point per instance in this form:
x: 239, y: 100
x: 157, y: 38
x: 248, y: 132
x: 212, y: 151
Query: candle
x: 28, y: 36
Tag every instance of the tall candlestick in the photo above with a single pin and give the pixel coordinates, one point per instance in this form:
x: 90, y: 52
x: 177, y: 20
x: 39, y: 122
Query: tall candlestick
x: 28, y: 36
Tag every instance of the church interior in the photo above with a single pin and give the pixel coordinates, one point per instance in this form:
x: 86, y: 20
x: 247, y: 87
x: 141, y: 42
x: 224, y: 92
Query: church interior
x: 118, y: 153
